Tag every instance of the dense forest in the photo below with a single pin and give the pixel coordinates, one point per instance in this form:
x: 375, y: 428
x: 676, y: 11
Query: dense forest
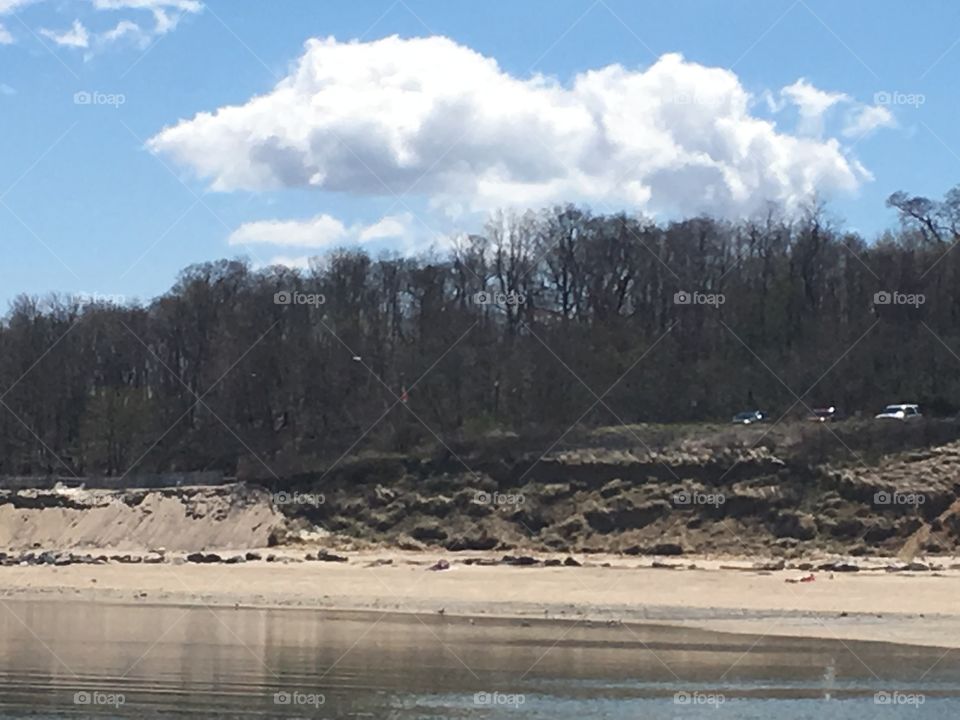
x: 544, y: 320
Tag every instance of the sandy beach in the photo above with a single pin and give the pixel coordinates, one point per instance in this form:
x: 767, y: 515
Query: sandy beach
x: 875, y: 605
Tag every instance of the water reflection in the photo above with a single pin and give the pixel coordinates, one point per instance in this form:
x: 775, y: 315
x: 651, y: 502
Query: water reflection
x: 62, y: 659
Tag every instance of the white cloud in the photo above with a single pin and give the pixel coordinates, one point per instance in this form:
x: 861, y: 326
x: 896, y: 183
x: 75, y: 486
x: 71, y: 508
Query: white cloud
x: 322, y: 231
x: 11, y: 6
x: 864, y: 120
x: 76, y: 37
x: 126, y: 29
x: 166, y: 13
x: 391, y: 226
x: 191, y: 6
x: 375, y: 118
x: 318, y: 232
x: 812, y: 104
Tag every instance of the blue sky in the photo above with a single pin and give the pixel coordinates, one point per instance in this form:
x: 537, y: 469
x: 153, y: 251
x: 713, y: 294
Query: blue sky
x: 108, y: 183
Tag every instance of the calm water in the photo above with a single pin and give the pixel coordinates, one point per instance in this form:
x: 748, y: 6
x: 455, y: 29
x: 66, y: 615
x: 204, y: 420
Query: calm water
x: 97, y: 661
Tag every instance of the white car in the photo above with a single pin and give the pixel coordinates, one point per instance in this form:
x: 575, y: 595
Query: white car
x: 900, y: 412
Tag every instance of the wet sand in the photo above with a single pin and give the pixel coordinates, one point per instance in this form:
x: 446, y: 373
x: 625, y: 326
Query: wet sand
x: 908, y: 608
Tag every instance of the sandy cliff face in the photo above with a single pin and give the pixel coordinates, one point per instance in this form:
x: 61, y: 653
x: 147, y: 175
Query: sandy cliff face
x: 186, y: 518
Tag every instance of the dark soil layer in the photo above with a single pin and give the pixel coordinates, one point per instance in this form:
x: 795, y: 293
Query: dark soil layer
x: 784, y: 490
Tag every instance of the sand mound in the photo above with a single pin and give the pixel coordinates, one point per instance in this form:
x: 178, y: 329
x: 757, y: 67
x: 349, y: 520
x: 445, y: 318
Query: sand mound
x: 184, y: 518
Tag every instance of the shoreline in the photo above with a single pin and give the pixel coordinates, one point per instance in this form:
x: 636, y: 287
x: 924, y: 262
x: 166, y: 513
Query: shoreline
x: 871, y: 605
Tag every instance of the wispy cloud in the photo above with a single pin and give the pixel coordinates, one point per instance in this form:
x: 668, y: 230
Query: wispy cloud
x: 866, y: 119
x: 322, y: 231
x: 93, y: 37
x: 76, y: 37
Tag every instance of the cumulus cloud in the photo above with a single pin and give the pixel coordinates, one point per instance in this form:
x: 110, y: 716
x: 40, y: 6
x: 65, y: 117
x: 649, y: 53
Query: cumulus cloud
x: 812, y: 104
x: 866, y: 119
x: 321, y: 231
x: 5, y: 37
x: 379, y: 118
x: 76, y: 37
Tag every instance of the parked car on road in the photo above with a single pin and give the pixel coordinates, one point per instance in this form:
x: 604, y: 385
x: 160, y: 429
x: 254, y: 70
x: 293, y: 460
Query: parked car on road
x: 903, y: 411
x: 749, y: 417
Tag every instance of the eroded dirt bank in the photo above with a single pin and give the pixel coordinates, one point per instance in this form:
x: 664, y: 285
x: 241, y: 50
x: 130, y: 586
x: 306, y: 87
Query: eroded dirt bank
x: 602, y: 500
x: 685, y: 499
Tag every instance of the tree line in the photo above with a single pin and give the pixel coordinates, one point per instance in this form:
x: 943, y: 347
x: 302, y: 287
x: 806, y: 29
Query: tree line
x: 544, y: 321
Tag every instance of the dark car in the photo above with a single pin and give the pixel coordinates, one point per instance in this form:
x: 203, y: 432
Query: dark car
x: 749, y: 417
x: 824, y: 414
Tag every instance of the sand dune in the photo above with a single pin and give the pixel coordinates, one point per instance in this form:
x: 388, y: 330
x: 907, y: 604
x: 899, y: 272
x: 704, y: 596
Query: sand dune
x: 184, y: 518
